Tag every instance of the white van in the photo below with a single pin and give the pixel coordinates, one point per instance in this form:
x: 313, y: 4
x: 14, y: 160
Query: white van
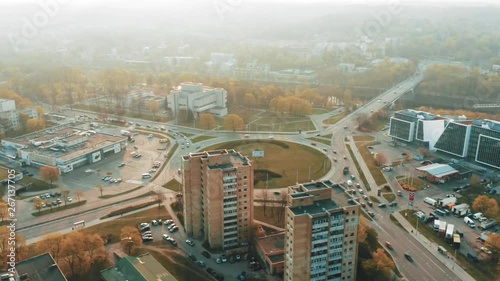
x: 146, y: 176
x: 469, y: 222
x: 477, y: 216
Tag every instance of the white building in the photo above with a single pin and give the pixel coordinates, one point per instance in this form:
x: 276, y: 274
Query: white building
x: 198, y: 99
x: 7, y: 105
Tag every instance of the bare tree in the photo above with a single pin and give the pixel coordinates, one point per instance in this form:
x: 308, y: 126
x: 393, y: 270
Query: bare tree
x: 265, y: 198
x: 100, y: 187
x: 281, y: 208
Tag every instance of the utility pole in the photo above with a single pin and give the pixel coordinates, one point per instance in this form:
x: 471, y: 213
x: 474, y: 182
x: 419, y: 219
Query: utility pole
x: 309, y: 172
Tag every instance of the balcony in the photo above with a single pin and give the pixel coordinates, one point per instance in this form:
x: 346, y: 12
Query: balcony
x: 232, y: 208
x: 228, y: 196
x: 230, y: 220
x: 226, y: 184
x: 233, y: 232
x: 231, y: 189
x: 228, y: 178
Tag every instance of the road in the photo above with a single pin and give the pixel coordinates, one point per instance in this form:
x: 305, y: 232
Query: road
x: 425, y: 267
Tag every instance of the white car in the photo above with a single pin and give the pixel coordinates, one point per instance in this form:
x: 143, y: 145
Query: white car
x: 150, y: 135
x: 69, y: 199
x: 271, y: 137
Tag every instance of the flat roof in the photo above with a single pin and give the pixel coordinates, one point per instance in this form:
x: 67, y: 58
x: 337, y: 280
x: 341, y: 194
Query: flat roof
x: 317, y: 207
x: 438, y: 170
x: 42, y: 267
x: 272, y: 244
x: 144, y: 267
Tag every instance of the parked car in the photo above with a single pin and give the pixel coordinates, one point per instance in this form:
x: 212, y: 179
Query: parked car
x: 121, y: 165
x: 192, y: 257
x: 189, y: 242
x: 408, y: 257
x: 371, y: 214
x: 382, y: 205
x: 206, y: 254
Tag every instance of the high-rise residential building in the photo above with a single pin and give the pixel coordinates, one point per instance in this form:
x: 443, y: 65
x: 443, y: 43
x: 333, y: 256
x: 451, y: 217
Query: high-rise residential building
x: 218, y: 197
x: 197, y: 99
x: 321, y: 238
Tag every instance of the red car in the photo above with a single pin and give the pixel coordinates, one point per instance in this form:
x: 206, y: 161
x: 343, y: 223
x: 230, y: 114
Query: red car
x: 388, y: 245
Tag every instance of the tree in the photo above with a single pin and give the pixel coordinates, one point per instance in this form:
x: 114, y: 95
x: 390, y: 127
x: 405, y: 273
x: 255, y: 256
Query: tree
x: 100, y: 187
x: 79, y: 194
x: 130, y: 238
x: 233, y: 122
x: 249, y: 100
x: 424, y: 152
x: 475, y: 181
x: 5, y: 246
x: 49, y: 173
x: 493, y: 243
x: 484, y: 204
x: 380, y: 159
x: 65, y: 195
x: 207, y: 121
x: 52, y: 243
x: 265, y: 198
x: 153, y: 107
x: 159, y: 197
x: 4, y: 210
x: 362, y: 234
x: 408, y: 156
x: 379, y: 266
x: 33, y: 125
x: 79, y: 252
x: 37, y: 202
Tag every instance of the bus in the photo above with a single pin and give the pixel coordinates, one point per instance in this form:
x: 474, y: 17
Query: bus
x: 164, y: 141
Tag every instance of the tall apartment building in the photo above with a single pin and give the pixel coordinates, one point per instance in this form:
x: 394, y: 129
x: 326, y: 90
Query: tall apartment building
x: 321, y: 238
x: 218, y: 197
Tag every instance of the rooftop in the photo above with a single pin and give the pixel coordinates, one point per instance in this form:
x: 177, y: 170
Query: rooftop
x: 272, y: 244
x: 419, y: 114
x: 320, y: 206
x: 141, y: 268
x: 487, y: 124
x: 438, y: 170
x: 40, y: 268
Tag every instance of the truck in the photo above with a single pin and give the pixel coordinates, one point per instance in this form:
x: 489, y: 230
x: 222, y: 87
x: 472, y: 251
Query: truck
x: 125, y: 133
x: 437, y: 223
x: 349, y: 182
x: 460, y: 210
x: 430, y: 201
x: 447, y: 201
x: 469, y: 222
x: 487, y: 224
x: 450, y: 229
x: 456, y: 241
x: 442, y: 228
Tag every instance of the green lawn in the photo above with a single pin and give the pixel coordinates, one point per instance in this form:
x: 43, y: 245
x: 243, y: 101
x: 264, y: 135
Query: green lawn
x: 282, y: 161
x: 321, y: 140
x: 356, y: 164
x: 201, y: 138
x: 319, y: 110
x: 336, y: 118
x: 377, y: 174
x: 389, y: 196
x: 174, y: 185
x: 485, y: 272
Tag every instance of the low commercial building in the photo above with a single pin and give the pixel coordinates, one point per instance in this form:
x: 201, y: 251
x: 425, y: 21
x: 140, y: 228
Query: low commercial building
x: 141, y: 268
x: 271, y: 249
x: 438, y: 172
x: 42, y: 267
x: 66, y: 147
x: 196, y: 99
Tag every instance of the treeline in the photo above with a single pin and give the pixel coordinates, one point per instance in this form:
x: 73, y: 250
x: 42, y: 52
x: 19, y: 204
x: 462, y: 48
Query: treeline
x: 26, y: 124
x: 471, y: 115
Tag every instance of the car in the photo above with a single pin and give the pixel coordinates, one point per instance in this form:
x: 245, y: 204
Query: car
x: 149, y: 126
x: 121, y: 165
x: 271, y: 137
x: 54, y: 203
x: 334, y: 151
x: 206, y: 254
x: 382, y: 205
x: 168, y: 222
x: 147, y: 239
x: 150, y: 135
x: 238, y: 258
x: 231, y: 259
x: 360, y: 191
x: 166, y: 237
x: 189, y: 242
x: 192, y: 257
x: 345, y: 157
x: 210, y: 270
x: 370, y: 203
x: 118, y: 180
x: 223, y: 258
x: 172, y: 241
x: 365, y: 197
x: 492, y: 191
x: 201, y: 263
x: 393, y: 204
x: 148, y: 232
x: 106, y: 178
x: 69, y: 199
x: 371, y: 214
x: 160, y: 221
x: 472, y: 257
x: 334, y: 159
x: 483, y: 219
x: 218, y: 260
x: 171, y: 226
x: 403, y: 154
x: 154, y: 222
x: 486, y: 250
x: 388, y: 245
x: 144, y: 224
x: 174, y: 229
x: 408, y: 257
x: 325, y: 150
x: 152, y: 171
x: 370, y: 147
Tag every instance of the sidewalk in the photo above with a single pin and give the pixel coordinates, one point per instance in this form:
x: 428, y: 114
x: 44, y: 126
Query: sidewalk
x: 447, y: 260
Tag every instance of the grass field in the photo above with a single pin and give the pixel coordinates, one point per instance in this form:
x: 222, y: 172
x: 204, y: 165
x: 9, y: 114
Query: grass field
x: 362, y: 176
x: 282, y: 161
x: 201, y: 138
x: 377, y: 174
x: 336, y: 118
x: 389, y: 196
x: 321, y: 140
x: 319, y: 110
x: 174, y: 185
x: 485, y: 272
x: 363, y: 138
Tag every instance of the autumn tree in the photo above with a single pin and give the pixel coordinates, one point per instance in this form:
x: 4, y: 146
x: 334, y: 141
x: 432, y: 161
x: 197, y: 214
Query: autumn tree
x: 4, y: 210
x: 207, y: 121
x: 154, y: 107
x: 49, y: 173
x: 65, y: 195
x: 52, y: 243
x: 379, y: 266
x: 484, y: 204
x: 100, y: 187
x: 37, y: 203
x: 380, y: 159
x: 493, y: 243
x: 362, y: 234
x: 265, y: 197
x: 21, y: 249
x: 475, y: 181
x: 33, y: 125
x: 233, y: 122
x: 79, y: 194
x: 159, y: 197
x: 249, y: 100
x: 80, y: 252
x: 130, y: 238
